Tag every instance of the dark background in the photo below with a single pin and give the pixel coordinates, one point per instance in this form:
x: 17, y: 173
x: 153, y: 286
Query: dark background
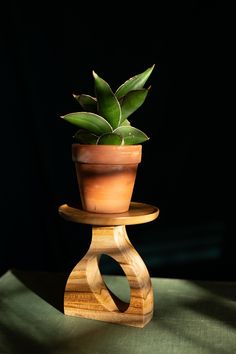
x: 47, y: 53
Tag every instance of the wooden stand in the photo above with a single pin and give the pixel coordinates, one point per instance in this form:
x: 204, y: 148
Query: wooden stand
x: 86, y: 295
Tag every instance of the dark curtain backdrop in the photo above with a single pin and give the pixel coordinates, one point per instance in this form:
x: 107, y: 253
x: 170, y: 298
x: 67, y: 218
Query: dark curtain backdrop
x: 47, y: 53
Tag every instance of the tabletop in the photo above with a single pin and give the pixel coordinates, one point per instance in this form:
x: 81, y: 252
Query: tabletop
x: 189, y: 317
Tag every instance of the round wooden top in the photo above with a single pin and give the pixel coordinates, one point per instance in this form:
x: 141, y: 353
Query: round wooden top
x: 138, y: 213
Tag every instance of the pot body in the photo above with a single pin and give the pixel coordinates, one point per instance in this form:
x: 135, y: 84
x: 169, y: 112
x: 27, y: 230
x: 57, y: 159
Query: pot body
x: 106, y: 176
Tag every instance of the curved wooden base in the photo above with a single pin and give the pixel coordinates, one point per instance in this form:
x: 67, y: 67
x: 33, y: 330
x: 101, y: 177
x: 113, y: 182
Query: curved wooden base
x: 86, y: 294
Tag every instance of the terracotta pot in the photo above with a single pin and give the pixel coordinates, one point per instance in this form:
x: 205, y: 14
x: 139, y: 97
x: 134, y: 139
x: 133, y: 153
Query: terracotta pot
x: 106, y: 175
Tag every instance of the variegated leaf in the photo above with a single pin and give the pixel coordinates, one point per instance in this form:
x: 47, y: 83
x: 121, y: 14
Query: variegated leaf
x: 110, y: 139
x: 125, y: 122
x: 134, y: 83
x: 131, y: 135
x: 89, y: 121
x: 132, y: 101
x: 87, y: 102
x: 108, y: 104
x: 83, y: 136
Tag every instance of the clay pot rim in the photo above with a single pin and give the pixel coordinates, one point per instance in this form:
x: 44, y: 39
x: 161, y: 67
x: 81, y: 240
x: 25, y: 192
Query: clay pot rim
x: 107, y: 154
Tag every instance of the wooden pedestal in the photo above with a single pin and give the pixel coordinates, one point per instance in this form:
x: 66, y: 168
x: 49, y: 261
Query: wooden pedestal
x: 86, y: 295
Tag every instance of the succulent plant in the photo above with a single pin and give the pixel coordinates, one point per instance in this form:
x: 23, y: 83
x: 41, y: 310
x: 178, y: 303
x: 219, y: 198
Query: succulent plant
x: 104, y: 119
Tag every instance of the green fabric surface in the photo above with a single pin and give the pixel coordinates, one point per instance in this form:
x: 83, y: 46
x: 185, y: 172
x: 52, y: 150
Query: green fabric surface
x: 190, y: 317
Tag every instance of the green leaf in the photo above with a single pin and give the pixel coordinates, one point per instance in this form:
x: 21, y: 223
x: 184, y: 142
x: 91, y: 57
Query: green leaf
x: 108, y: 104
x: 83, y: 136
x: 110, y: 139
x: 134, y: 83
x: 89, y: 121
x: 131, y: 102
x: 87, y: 102
x: 125, y: 122
x: 131, y: 135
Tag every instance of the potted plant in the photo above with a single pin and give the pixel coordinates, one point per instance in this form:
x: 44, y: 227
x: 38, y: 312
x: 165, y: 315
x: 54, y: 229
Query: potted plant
x: 107, y: 147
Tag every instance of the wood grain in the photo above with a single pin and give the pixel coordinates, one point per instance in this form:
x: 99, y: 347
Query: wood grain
x: 138, y: 213
x: 86, y: 294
